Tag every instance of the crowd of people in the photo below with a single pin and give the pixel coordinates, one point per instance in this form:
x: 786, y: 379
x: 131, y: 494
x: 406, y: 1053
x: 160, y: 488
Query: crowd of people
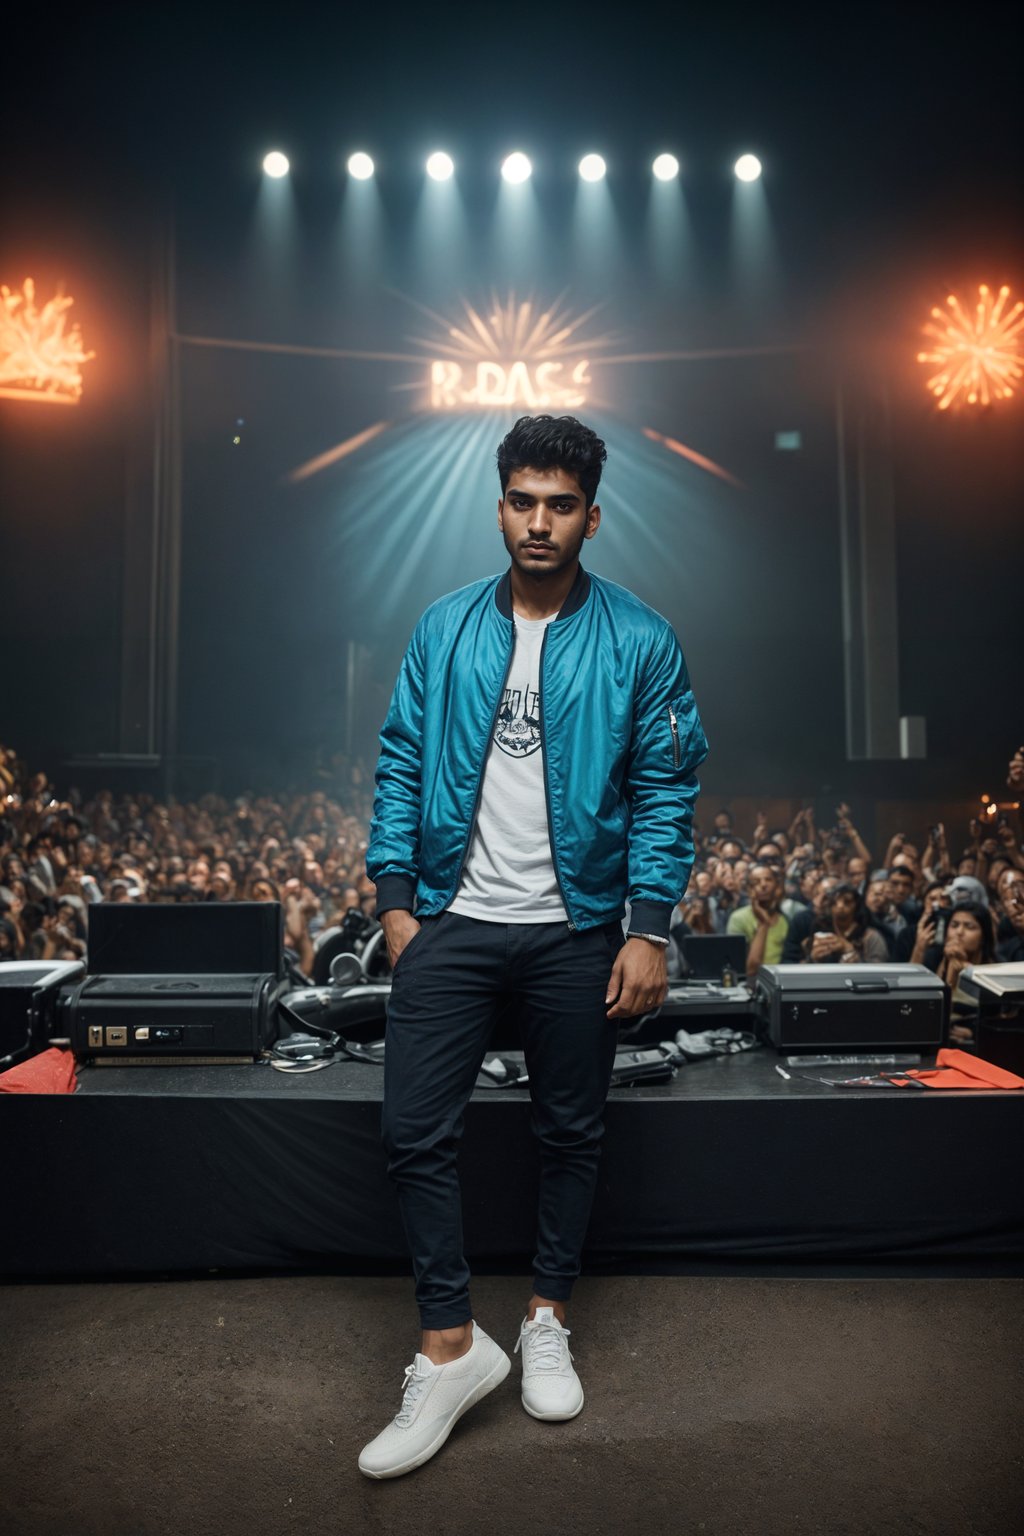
x: 306, y: 850
x: 797, y: 894
x: 808, y: 895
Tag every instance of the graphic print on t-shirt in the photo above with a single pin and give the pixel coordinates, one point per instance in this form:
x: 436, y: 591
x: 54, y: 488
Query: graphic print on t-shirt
x: 517, y: 731
x: 509, y: 873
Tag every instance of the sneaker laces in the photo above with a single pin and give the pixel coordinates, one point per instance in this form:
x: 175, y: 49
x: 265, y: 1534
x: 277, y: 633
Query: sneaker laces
x: 546, y: 1343
x: 412, y: 1391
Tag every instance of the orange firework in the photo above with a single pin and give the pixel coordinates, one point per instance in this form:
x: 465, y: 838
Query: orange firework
x: 979, y: 359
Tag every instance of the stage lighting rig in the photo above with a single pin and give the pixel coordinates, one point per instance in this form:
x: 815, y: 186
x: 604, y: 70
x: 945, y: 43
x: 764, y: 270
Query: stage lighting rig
x: 360, y: 166
x: 666, y: 168
x: 592, y: 168
x: 440, y: 167
x: 747, y: 168
x: 276, y: 164
x: 516, y: 167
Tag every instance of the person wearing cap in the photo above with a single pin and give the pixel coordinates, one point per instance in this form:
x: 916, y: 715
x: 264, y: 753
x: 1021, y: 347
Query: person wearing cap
x: 966, y: 888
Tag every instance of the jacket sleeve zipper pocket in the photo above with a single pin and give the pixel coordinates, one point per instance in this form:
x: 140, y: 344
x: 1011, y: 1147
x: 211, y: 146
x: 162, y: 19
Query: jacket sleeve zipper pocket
x: 674, y: 723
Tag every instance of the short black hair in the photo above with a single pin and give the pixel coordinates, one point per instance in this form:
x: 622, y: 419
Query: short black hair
x: 553, y: 442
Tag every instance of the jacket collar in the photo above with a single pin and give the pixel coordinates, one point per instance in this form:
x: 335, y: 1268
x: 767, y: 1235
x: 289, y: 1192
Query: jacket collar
x: 577, y: 595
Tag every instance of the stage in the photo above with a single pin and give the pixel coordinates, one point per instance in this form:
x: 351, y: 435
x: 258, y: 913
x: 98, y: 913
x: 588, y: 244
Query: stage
x: 183, y: 1169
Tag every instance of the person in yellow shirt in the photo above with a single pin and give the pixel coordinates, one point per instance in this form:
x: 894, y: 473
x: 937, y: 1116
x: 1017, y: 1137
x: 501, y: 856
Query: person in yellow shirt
x: 762, y: 924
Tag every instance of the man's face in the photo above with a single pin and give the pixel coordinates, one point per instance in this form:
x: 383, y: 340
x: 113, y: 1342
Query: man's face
x: 823, y: 888
x: 856, y: 869
x: 544, y: 520
x: 877, y: 898
x: 901, y: 884
x: 726, y: 877
x: 763, y: 886
x: 723, y: 823
x: 1013, y: 900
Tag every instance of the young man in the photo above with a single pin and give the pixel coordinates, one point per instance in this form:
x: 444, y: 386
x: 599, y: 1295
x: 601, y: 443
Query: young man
x: 537, y: 769
x: 761, y: 923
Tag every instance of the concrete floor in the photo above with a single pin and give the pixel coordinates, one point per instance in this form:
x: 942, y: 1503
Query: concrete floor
x: 719, y: 1405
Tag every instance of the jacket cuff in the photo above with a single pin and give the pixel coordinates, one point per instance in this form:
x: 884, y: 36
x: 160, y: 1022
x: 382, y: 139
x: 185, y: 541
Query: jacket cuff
x: 395, y: 892
x: 650, y: 917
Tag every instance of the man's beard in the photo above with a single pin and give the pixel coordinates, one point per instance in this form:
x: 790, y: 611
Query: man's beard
x: 567, y: 554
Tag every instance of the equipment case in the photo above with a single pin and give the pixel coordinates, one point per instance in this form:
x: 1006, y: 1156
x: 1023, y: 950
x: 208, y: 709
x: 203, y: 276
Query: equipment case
x: 133, y: 1020
x: 851, y: 1007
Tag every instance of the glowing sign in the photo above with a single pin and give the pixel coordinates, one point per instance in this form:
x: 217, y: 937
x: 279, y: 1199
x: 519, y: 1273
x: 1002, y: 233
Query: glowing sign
x: 38, y: 361
x: 518, y: 383
x: 511, y: 354
x: 979, y: 358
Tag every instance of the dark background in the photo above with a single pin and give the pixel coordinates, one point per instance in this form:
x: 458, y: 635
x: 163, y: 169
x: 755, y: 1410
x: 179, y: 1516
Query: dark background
x: 892, y: 176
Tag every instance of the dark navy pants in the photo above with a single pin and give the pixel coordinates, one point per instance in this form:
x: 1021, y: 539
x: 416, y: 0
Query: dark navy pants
x: 448, y: 985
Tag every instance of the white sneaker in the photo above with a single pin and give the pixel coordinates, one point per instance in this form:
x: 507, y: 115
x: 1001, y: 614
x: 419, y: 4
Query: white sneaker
x: 551, y: 1388
x: 434, y: 1398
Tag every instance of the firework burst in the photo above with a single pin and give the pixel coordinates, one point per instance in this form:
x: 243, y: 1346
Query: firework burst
x: 978, y: 359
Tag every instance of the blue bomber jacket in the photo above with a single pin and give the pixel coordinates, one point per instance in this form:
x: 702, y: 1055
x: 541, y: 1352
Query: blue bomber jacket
x: 621, y: 741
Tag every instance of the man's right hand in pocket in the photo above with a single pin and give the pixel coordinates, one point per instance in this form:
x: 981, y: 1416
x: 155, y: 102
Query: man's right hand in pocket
x: 399, y: 928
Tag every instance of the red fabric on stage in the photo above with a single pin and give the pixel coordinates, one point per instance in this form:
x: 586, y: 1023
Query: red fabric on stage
x: 959, y: 1069
x: 52, y: 1071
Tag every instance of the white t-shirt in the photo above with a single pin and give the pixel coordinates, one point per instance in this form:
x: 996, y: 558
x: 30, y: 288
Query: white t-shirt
x: 508, y: 876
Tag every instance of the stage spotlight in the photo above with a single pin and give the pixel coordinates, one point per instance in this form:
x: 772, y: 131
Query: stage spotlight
x: 275, y: 164
x: 440, y: 167
x: 592, y: 168
x: 666, y: 168
x: 747, y: 168
x: 516, y: 167
x: 360, y: 166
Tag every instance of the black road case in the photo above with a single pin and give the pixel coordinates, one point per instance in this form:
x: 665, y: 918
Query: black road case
x: 135, y: 1020
x: 851, y: 1007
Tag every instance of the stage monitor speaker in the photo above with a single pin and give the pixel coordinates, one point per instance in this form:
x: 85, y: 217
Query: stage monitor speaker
x: 851, y: 1007
x: 203, y: 938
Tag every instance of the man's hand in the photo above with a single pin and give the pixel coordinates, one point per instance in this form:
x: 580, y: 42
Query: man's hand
x: 639, y: 979
x: 764, y: 917
x: 924, y: 937
x: 399, y: 927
